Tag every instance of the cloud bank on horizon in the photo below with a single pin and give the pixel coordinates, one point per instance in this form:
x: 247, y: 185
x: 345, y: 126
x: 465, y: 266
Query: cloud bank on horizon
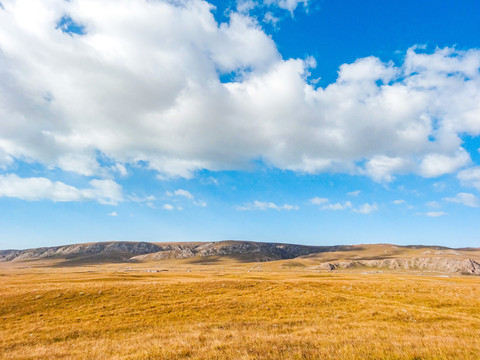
x: 164, y: 84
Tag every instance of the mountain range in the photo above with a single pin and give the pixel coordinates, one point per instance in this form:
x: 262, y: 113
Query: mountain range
x: 464, y: 261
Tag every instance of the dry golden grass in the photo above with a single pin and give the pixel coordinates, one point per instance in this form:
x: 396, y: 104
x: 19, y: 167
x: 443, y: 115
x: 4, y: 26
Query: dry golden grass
x: 221, y: 312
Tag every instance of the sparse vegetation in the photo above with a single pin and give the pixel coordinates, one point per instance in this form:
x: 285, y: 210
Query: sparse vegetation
x: 245, y: 311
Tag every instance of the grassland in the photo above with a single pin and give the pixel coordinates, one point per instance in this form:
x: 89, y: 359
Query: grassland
x: 242, y: 311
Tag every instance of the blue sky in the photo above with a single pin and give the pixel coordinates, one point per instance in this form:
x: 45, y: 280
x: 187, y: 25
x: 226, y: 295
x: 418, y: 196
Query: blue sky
x: 315, y: 122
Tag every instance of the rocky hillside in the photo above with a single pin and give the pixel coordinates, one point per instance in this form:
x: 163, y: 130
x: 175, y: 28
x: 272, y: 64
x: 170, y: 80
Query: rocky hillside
x: 380, y: 256
x: 255, y: 251
x: 439, y: 264
x: 115, y: 250
x: 144, y: 251
x: 392, y: 257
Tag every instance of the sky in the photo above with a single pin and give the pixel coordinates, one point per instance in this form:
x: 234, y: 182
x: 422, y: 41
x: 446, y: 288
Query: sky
x: 315, y: 122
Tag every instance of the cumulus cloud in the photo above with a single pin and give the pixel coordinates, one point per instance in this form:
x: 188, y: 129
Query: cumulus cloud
x: 113, y: 213
x: 188, y: 195
x: 338, y: 206
x: 40, y: 188
x: 434, y: 165
x: 141, y: 84
x: 381, y: 168
x: 470, y: 177
x: 366, y: 208
x: 399, y: 202
x: 184, y: 193
x: 318, y: 201
x: 259, y: 205
x: 466, y: 199
x: 120, y: 168
x: 168, y: 207
x: 354, y: 193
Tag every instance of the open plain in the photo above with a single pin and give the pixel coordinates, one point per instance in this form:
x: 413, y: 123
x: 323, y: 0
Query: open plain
x: 228, y: 308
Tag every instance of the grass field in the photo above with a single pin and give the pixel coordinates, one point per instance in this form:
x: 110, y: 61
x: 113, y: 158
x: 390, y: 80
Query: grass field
x: 221, y: 312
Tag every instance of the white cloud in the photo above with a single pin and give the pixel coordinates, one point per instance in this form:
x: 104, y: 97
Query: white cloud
x: 318, y: 201
x: 289, y: 5
x: 470, y: 177
x: 381, y: 168
x: 434, y: 165
x: 209, y: 181
x: 133, y: 197
x: 399, y: 202
x: 147, y: 200
x: 104, y: 191
x: 354, y: 193
x: 259, y: 205
x: 121, y: 169
x: 466, y: 199
x: 40, y: 188
x: 244, y: 6
x: 439, y: 186
x: 366, y: 208
x: 168, y: 207
x: 184, y: 193
x: 188, y: 195
x: 142, y: 85
x: 269, y: 18
x: 338, y: 206
x: 200, y: 203
x: 433, y: 214
x: 434, y: 204
x: 113, y: 213
x: 79, y: 163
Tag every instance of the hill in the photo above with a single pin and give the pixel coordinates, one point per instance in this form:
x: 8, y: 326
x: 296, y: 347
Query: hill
x: 313, y: 258
x: 119, y: 251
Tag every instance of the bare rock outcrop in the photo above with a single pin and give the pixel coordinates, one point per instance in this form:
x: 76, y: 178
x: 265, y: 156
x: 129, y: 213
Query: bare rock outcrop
x: 115, y: 249
x: 437, y: 259
x: 463, y: 266
x: 442, y: 264
x: 144, y: 251
x: 258, y: 251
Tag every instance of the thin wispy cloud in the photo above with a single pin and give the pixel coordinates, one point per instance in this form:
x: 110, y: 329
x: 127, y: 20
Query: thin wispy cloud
x: 433, y: 214
x: 134, y: 198
x: 366, y: 208
x: 434, y: 204
x: 318, y: 201
x: 181, y: 193
x: 338, y: 206
x: 466, y: 199
x: 260, y: 205
x: 470, y: 177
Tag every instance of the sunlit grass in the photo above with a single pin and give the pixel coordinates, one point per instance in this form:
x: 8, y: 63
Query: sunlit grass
x: 222, y: 314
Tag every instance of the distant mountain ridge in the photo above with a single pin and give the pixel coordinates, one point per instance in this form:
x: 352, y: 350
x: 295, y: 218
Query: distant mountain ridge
x: 139, y: 251
x: 381, y: 256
